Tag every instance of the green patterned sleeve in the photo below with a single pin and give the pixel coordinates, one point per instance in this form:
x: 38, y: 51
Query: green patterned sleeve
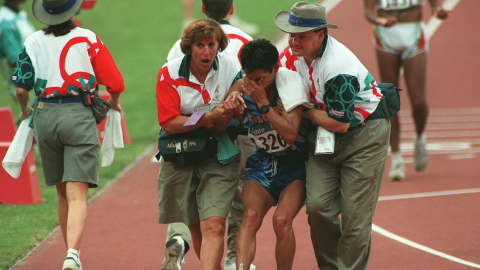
x: 340, y: 93
x: 24, y: 74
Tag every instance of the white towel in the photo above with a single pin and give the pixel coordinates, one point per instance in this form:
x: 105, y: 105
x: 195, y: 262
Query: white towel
x: 292, y: 89
x: 113, y: 137
x: 18, y: 149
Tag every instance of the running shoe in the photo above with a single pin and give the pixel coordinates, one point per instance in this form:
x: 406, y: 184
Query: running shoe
x: 174, y: 252
x: 420, y: 158
x: 72, y: 261
x: 230, y: 264
x: 397, y: 172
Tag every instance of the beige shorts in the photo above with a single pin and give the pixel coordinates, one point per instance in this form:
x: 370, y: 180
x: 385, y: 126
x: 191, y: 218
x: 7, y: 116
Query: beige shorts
x: 69, y: 143
x: 190, y: 194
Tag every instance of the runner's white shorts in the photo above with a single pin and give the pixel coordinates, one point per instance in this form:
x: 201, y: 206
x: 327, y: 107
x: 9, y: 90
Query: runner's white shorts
x: 403, y: 39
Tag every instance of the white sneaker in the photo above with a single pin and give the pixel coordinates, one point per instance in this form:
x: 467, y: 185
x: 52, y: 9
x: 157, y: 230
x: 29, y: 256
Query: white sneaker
x: 230, y: 264
x: 397, y: 172
x: 420, y: 158
x: 72, y: 261
x: 174, y: 252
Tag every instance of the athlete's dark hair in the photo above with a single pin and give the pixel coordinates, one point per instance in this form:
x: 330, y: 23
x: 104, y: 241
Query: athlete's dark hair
x: 258, y: 53
x: 217, y: 9
x: 59, y: 29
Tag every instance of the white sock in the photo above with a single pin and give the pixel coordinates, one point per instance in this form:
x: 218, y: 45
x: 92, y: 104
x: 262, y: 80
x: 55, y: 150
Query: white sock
x: 421, y: 138
x: 396, y: 157
x: 74, y: 251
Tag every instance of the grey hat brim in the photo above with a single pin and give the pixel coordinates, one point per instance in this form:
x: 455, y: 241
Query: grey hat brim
x: 281, y: 20
x: 53, y: 19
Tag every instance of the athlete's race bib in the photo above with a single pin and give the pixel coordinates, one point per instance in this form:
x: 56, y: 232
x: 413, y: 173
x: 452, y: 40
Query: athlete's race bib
x: 398, y: 4
x: 267, y: 139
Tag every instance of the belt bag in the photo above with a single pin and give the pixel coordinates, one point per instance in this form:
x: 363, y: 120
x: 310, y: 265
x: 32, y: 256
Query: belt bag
x: 186, y: 148
x: 390, y: 103
x: 98, y: 105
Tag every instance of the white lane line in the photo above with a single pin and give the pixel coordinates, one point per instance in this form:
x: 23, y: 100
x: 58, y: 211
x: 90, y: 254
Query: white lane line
x: 407, y: 242
x: 429, y: 194
x: 434, y: 22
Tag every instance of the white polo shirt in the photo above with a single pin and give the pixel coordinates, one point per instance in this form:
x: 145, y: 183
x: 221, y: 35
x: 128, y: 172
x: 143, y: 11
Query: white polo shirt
x: 179, y: 92
x: 339, y: 83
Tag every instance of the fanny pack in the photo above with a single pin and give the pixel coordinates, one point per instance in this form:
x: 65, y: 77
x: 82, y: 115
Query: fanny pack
x: 186, y: 148
x: 190, y: 147
x: 390, y: 103
x: 98, y: 105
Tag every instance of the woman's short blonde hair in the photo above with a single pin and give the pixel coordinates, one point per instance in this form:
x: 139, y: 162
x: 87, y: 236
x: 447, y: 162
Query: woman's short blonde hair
x: 202, y: 29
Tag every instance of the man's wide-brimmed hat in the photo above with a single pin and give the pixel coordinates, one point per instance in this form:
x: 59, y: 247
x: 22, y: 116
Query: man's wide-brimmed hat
x: 53, y: 12
x: 303, y: 17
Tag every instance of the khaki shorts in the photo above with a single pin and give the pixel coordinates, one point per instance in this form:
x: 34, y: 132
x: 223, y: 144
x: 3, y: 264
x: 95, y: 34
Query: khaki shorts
x: 69, y: 143
x: 189, y: 194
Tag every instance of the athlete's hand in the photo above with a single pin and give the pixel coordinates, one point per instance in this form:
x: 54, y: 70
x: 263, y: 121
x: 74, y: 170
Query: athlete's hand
x: 441, y: 13
x: 256, y: 91
x: 386, y: 21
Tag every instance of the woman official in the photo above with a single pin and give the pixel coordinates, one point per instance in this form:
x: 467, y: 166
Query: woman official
x: 60, y: 62
x: 198, y: 194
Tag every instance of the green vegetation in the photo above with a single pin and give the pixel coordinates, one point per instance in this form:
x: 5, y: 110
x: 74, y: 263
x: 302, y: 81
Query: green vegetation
x: 139, y: 37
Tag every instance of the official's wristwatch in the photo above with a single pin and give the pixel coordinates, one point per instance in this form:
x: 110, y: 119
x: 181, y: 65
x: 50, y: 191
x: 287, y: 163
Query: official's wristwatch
x: 264, y: 109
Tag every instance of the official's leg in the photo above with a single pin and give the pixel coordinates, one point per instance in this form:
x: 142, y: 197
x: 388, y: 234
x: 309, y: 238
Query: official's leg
x: 323, y: 208
x: 211, y: 253
x: 62, y: 209
x: 256, y: 202
x: 214, y: 196
x: 196, y: 234
x: 77, y: 212
x: 361, y: 177
x: 290, y: 202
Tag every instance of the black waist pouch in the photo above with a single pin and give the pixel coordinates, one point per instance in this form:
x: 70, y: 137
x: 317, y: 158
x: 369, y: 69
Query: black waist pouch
x: 390, y: 103
x: 187, y: 148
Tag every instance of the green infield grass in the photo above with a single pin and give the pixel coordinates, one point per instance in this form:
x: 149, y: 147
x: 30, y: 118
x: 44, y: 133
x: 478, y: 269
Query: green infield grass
x: 139, y: 36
